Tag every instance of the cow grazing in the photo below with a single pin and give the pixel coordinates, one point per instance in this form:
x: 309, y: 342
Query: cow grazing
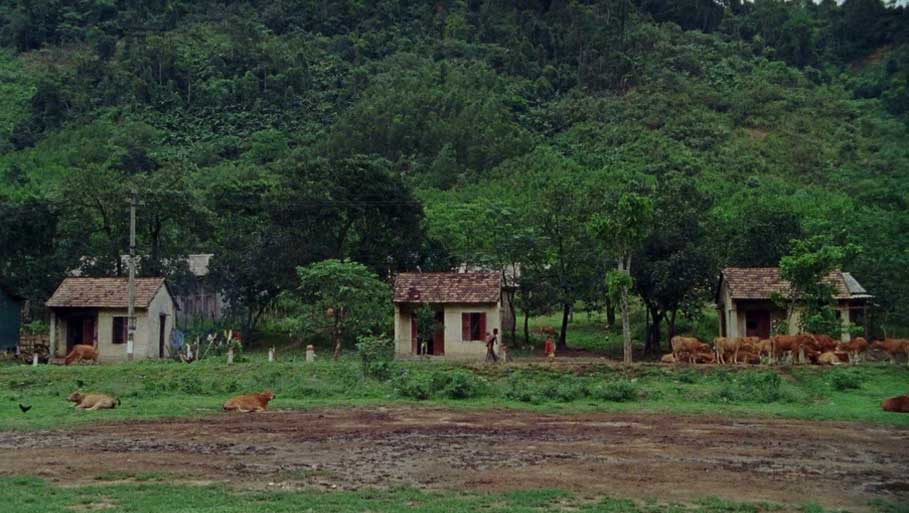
x: 765, y: 348
x: 898, y: 404
x: 689, y: 345
x: 893, y: 347
x: 854, y: 348
x: 791, y: 344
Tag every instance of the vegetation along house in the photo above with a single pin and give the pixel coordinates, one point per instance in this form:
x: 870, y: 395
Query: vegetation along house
x: 466, y: 306
x: 10, y: 309
x: 93, y: 311
x: 746, y: 307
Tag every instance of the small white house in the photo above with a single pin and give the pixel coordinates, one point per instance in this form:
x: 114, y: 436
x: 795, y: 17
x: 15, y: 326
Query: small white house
x: 93, y: 311
x: 466, y: 307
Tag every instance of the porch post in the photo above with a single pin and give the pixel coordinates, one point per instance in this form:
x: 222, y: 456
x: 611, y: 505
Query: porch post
x: 52, y: 342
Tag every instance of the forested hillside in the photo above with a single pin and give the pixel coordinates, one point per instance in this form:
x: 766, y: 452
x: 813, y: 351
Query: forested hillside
x: 415, y: 134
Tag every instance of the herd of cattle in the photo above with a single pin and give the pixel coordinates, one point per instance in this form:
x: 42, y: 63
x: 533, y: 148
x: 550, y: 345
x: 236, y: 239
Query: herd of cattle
x: 804, y: 347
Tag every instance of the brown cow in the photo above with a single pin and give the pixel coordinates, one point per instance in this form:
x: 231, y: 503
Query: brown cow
x: 822, y: 343
x: 893, y: 347
x: 854, y: 348
x: 765, y: 348
x: 723, y: 345
x: 689, y: 345
x: 791, y: 344
x: 82, y: 352
x: 899, y: 404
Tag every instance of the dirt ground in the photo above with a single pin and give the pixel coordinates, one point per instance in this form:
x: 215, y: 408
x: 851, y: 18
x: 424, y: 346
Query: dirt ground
x: 621, y: 455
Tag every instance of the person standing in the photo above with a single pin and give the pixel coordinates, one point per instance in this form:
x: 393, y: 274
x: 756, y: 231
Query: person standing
x: 549, y: 348
x: 490, y: 346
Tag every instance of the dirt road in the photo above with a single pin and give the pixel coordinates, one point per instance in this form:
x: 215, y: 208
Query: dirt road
x: 620, y: 455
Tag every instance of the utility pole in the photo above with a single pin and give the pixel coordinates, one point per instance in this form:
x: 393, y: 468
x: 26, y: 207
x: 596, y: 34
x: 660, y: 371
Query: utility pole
x: 131, y: 312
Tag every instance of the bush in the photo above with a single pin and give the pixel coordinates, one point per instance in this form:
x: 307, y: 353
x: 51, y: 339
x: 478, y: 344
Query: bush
x: 463, y: 385
x: 617, y: 391
x: 524, y: 390
x: 568, y: 389
x: 758, y: 387
x: 414, y: 386
x: 376, y: 356
x: 846, y: 379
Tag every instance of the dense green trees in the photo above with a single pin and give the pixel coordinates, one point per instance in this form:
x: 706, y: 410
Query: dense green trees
x: 405, y: 134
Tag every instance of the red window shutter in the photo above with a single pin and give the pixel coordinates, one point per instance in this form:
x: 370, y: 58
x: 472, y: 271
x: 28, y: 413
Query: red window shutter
x: 465, y: 326
x: 483, y: 326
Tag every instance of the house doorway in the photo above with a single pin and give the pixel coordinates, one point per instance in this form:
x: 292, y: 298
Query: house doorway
x: 162, y: 323
x: 435, y: 345
x: 80, y: 330
x: 757, y: 323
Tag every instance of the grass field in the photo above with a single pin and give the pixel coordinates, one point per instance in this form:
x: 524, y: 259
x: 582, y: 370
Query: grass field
x: 151, y: 494
x: 158, y: 389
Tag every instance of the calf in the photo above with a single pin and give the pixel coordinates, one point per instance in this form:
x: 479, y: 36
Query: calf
x: 893, y: 347
x: 764, y: 347
x: 854, y: 348
x: 828, y: 358
x: 668, y: 358
x: 688, y: 345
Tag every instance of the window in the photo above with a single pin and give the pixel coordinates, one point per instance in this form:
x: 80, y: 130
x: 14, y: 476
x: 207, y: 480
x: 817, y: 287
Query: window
x: 120, y: 326
x: 473, y: 326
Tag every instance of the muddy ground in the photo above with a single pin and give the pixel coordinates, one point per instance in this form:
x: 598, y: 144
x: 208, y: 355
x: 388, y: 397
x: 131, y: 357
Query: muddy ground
x: 672, y: 458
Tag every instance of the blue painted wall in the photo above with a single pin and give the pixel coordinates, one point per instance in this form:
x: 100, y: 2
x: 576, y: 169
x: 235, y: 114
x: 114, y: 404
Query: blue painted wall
x: 9, y: 321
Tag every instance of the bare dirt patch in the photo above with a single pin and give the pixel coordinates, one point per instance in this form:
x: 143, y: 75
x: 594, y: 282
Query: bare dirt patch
x: 621, y: 455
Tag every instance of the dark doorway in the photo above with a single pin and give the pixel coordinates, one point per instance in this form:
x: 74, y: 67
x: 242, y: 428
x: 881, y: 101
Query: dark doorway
x: 80, y: 330
x: 438, y: 335
x: 757, y: 323
x: 162, y: 319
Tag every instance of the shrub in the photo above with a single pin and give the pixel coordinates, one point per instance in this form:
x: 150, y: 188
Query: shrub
x: 621, y: 390
x: 568, y: 389
x: 758, y: 387
x: 463, y: 385
x: 846, y: 379
x: 524, y: 390
x: 376, y: 356
x: 414, y: 386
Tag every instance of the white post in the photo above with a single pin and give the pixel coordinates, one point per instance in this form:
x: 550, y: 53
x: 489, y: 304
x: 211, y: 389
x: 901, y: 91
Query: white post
x: 310, y: 354
x: 230, y: 356
x: 34, y: 359
x: 131, y: 311
x: 271, y: 355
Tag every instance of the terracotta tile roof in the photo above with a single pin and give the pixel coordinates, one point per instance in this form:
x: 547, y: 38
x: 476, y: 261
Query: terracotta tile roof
x: 104, y: 292
x: 762, y: 282
x: 448, y: 287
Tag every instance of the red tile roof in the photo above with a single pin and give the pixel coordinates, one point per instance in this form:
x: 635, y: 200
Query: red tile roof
x: 104, y: 293
x: 448, y: 288
x: 762, y: 282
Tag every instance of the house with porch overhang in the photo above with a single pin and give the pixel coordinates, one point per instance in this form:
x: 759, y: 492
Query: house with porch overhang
x: 466, y: 306
x: 746, y: 307
x: 93, y: 311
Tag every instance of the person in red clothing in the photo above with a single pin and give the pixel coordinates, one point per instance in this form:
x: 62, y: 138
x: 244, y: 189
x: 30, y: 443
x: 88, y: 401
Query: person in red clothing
x: 549, y: 349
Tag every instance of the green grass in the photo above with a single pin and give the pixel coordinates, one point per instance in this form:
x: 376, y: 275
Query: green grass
x: 33, y: 495
x: 589, y: 331
x: 161, y: 389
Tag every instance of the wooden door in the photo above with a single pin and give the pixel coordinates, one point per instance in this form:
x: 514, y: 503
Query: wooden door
x: 438, y: 336
x: 413, y: 335
x: 88, y: 331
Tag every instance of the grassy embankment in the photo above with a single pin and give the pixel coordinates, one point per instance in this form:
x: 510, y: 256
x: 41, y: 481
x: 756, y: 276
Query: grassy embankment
x: 159, y: 389
x: 150, y: 493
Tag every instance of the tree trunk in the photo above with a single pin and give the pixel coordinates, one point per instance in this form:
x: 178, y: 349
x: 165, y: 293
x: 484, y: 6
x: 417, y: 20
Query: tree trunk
x: 610, y: 313
x: 625, y: 267
x: 672, y: 324
x: 514, y: 316
x: 336, y: 332
x: 566, y: 310
x: 653, y: 337
x: 526, y: 328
